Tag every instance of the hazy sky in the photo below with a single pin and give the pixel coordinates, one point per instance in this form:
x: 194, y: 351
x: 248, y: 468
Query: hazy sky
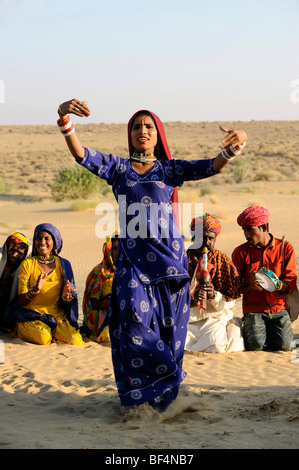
x: 185, y: 60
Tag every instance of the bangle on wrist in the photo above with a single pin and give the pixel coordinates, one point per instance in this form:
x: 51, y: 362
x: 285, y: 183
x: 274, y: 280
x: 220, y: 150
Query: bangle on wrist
x: 226, y: 156
x: 66, y: 126
x: 33, y: 292
x: 229, y: 153
x: 67, y: 299
x: 280, y: 286
x: 62, y: 122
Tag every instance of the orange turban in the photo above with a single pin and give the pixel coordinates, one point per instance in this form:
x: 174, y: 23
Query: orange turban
x: 254, y: 215
x: 209, y: 224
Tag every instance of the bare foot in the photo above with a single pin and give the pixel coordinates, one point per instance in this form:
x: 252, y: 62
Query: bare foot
x: 144, y: 411
x: 126, y: 410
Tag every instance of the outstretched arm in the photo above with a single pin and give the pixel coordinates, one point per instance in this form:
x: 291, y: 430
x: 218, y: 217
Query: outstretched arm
x: 79, y: 108
x: 231, y: 146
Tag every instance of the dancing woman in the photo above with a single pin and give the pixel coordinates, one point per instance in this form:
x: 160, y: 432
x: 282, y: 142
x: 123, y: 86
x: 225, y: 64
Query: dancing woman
x: 149, y: 307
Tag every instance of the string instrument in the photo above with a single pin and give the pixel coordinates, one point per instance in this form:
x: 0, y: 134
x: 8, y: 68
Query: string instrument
x: 203, y: 277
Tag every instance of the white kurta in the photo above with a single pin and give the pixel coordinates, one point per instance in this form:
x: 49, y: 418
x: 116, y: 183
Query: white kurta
x: 216, y: 330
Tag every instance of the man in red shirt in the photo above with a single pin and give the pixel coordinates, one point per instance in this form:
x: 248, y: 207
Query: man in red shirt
x: 266, y: 320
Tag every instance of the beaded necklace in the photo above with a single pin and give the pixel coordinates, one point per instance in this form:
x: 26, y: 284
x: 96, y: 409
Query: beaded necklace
x: 143, y: 157
x: 45, y: 259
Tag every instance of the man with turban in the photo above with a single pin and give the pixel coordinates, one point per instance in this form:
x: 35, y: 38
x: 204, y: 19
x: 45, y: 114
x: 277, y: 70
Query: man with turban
x: 12, y: 253
x: 266, y: 322
x: 213, y: 329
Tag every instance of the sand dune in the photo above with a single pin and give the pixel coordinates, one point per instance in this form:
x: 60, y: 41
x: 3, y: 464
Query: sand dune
x: 62, y: 396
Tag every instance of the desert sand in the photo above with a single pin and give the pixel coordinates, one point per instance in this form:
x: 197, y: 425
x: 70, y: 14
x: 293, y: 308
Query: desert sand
x: 64, y: 397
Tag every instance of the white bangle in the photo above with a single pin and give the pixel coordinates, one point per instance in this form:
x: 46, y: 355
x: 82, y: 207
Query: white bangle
x: 241, y: 146
x: 69, y: 133
x: 231, y: 152
x: 66, y: 126
x: 227, y: 157
x: 33, y: 292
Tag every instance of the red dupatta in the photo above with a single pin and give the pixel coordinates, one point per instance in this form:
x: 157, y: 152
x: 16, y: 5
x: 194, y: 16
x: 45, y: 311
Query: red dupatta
x: 164, y: 153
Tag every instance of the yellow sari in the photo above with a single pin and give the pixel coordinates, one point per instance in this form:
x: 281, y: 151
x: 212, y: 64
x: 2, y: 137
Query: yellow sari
x: 48, y: 301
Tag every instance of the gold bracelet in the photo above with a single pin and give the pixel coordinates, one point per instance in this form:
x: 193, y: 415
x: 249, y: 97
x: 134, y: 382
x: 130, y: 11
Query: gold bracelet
x: 280, y: 286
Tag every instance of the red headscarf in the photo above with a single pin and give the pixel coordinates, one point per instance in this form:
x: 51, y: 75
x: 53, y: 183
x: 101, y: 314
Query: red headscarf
x: 164, y: 152
x: 254, y: 215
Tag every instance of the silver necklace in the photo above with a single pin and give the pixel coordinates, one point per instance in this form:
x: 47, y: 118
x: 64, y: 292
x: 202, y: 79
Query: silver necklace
x: 143, y: 157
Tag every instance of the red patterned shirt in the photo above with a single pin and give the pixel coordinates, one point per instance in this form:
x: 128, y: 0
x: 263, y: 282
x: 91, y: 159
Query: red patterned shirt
x: 224, y: 275
x: 248, y: 259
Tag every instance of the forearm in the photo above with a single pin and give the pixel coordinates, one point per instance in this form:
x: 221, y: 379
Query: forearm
x: 284, y: 289
x: 26, y: 298
x: 76, y: 149
x: 219, y: 162
x: 79, y: 108
x: 227, y: 155
x: 71, y: 137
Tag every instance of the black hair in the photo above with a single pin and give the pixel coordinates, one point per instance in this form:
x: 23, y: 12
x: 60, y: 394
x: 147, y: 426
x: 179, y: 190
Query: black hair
x: 54, y: 250
x: 157, y: 151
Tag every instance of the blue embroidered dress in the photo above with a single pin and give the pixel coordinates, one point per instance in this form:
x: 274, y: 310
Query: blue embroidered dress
x: 149, y: 307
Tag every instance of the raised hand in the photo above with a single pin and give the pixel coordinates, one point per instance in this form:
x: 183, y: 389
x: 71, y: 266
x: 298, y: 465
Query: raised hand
x: 74, y: 106
x: 40, y: 281
x: 233, y: 137
x: 66, y: 293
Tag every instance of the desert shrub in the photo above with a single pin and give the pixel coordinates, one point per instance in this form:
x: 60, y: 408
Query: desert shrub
x: 205, y: 190
x: 76, y: 183
x: 4, y: 187
x: 263, y: 176
x: 84, y: 204
x: 241, y: 168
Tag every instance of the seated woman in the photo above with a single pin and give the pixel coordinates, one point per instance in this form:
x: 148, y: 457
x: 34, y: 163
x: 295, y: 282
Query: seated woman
x: 97, y: 292
x: 15, y: 249
x: 46, y: 308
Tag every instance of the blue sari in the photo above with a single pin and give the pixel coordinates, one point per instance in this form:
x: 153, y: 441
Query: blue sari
x: 150, y: 300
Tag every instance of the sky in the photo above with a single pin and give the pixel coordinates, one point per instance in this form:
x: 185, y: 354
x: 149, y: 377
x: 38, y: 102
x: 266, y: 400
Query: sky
x: 185, y: 60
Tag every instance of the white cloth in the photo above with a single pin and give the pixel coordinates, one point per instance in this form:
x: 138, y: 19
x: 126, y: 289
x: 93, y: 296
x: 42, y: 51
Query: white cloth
x: 216, y: 330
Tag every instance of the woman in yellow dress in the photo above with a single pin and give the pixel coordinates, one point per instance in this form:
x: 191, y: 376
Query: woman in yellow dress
x: 46, y: 309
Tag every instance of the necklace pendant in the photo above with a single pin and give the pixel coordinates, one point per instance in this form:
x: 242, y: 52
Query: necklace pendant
x: 143, y: 158
x: 45, y: 259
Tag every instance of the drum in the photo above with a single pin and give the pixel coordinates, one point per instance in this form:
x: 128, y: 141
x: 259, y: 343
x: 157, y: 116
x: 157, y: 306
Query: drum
x: 267, y: 279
